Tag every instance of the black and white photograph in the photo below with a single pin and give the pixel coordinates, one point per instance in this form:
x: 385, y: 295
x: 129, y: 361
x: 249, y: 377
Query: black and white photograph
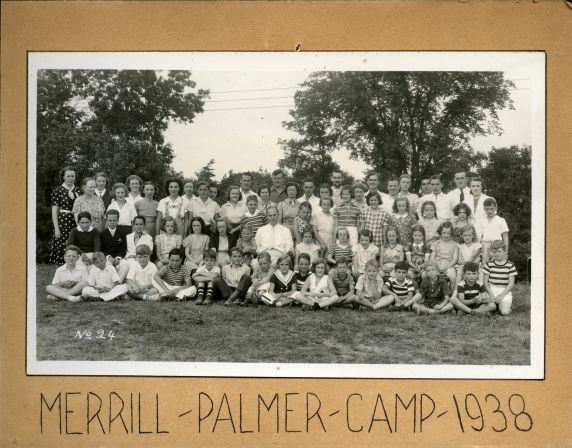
x: 306, y: 214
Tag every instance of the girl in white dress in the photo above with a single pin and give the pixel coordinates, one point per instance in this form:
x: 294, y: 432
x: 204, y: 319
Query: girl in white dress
x: 319, y: 290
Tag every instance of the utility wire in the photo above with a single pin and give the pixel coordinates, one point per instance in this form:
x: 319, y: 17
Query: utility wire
x: 249, y: 99
x: 246, y: 108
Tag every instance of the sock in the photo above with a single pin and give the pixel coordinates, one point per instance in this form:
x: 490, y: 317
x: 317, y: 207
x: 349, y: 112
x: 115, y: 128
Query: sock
x: 201, y: 291
x: 209, y: 292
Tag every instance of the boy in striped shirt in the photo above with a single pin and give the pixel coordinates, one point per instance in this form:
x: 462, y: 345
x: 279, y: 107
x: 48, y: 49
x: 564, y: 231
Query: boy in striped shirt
x: 499, y: 278
x: 400, y: 287
x: 253, y: 217
x: 471, y: 297
x: 173, y: 281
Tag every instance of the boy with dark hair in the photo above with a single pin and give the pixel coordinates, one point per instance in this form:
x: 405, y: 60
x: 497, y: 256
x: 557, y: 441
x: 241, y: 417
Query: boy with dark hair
x: 471, y: 297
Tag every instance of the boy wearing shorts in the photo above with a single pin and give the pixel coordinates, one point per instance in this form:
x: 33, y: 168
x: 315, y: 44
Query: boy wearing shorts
x: 472, y: 297
x: 204, y: 277
x: 499, y: 278
x: 400, y: 287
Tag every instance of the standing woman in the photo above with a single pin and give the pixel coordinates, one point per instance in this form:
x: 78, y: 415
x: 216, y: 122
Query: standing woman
x: 134, y: 183
x: 233, y: 211
x: 288, y: 208
x: 91, y: 203
x: 147, y: 207
x: 62, y: 199
x: 264, y: 198
x: 172, y: 205
x: 477, y: 198
x: 101, y: 189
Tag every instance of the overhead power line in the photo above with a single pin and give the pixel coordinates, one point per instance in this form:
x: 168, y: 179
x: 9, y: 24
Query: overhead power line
x: 249, y: 99
x: 256, y: 90
x: 246, y: 108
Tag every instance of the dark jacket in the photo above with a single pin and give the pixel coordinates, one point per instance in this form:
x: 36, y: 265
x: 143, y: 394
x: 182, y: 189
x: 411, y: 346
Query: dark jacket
x: 115, y: 245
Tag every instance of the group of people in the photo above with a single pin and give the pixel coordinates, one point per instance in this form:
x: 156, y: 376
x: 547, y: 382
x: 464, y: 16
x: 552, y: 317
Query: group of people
x: 330, y: 244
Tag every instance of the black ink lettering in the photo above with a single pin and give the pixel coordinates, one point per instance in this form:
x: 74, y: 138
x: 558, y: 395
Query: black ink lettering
x: 131, y: 410
x: 201, y: 418
x: 67, y: 411
x: 424, y: 417
x: 474, y: 417
x: 522, y: 413
x: 223, y: 400
x: 157, y: 430
x: 140, y: 416
x: 497, y: 411
x: 287, y: 410
x: 348, y: 413
x: 406, y: 407
x: 385, y: 419
x: 43, y: 401
x: 118, y: 415
x: 96, y: 415
x: 268, y: 407
x: 316, y: 412
x: 242, y: 431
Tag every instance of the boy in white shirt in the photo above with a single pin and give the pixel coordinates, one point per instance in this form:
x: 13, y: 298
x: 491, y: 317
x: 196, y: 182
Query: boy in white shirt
x: 491, y: 228
x: 140, y: 276
x: 69, y: 279
x: 103, y: 281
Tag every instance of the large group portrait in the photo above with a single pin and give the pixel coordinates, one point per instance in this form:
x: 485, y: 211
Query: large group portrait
x: 267, y: 214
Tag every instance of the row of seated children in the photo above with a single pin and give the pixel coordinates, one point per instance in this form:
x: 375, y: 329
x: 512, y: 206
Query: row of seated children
x: 237, y: 286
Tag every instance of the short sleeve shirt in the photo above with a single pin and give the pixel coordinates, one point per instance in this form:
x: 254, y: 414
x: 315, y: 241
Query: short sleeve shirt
x: 103, y: 277
x: 433, y: 292
x: 499, y: 274
x: 470, y: 291
x: 342, y: 285
x: 142, y: 276
x: 368, y: 286
x: 175, y: 278
x: 63, y: 274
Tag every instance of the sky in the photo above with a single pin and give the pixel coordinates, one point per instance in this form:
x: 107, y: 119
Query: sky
x: 243, y: 119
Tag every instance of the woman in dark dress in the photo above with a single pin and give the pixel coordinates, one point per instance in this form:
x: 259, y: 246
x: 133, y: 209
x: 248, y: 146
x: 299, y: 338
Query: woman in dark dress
x: 63, y: 198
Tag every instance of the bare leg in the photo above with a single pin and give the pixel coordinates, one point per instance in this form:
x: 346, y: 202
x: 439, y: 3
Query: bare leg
x: 384, y: 302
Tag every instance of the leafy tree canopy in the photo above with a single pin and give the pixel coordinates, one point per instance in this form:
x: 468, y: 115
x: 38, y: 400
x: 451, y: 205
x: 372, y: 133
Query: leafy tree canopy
x: 415, y: 122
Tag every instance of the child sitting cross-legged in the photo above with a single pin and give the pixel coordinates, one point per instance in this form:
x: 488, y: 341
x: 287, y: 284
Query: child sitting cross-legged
x: 433, y: 295
x: 204, y: 277
x: 103, y: 281
x: 369, y: 287
x: 400, y: 287
x: 471, y: 298
x: 173, y: 280
x: 69, y: 279
x: 140, y: 276
x: 260, y: 278
x: 318, y: 291
x: 343, y: 282
x: 234, y: 281
x: 297, y: 282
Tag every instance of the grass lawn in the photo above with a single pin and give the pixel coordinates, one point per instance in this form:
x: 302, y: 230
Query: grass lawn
x: 181, y: 331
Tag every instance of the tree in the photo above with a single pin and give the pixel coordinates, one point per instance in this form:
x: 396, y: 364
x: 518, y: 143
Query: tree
x: 206, y: 173
x: 415, y: 122
x: 108, y: 120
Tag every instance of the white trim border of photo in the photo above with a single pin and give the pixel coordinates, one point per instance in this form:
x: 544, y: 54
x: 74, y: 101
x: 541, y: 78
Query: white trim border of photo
x: 532, y: 64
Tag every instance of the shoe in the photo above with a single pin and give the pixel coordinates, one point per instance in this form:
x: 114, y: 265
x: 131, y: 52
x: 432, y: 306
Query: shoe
x: 228, y: 303
x: 153, y: 298
x: 74, y: 298
x: 237, y: 302
x: 208, y: 301
x: 316, y: 306
x: 200, y: 299
x: 164, y: 297
x: 50, y: 297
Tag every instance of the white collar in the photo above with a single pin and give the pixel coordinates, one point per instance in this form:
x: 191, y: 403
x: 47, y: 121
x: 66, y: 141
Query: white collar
x: 100, y: 192
x: 79, y: 229
x: 66, y: 187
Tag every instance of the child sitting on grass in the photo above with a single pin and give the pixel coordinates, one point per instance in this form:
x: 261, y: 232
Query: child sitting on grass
x: 234, y: 281
x: 499, y: 277
x: 173, y: 280
x: 260, y: 278
x: 69, y: 279
x: 205, y: 276
x: 300, y: 277
x: 318, y: 291
x: 433, y: 295
x: 369, y: 287
x: 363, y: 252
x: 103, y: 281
x: 399, y: 287
x: 343, y: 282
x: 472, y: 297
x: 282, y: 284
x: 140, y: 276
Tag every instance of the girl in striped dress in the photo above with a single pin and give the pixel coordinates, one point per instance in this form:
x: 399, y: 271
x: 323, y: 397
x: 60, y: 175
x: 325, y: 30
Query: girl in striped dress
x: 347, y: 215
x: 341, y: 248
